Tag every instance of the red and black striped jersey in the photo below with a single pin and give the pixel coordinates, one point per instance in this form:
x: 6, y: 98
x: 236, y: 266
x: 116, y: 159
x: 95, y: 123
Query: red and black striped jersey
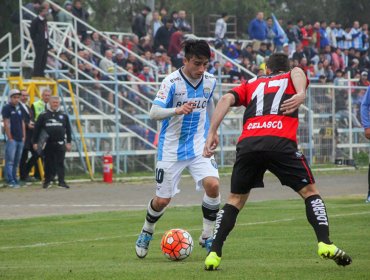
x: 265, y: 128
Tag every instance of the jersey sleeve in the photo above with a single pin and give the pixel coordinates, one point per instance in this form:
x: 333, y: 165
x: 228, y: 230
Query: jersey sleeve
x: 165, y: 94
x: 240, y: 94
x: 5, y: 112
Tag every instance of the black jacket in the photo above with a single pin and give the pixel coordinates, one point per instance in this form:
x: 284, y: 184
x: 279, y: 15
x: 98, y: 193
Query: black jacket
x: 37, y: 31
x: 56, y: 124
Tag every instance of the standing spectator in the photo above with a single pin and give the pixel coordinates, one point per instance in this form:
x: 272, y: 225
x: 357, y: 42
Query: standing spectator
x: 163, y: 15
x: 294, y: 35
x: 56, y: 125
x: 365, y: 37
x: 330, y: 30
x: 15, y: 132
x: 96, y: 43
x: 220, y: 31
x: 356, y: 34
x: 271, y: 34
x: 40, y: 40
x: 175, y: 49
x: 181, y: 22
x: 257, y: 30
x: 40, y: 105
x: 339, y: 33
x: 156, y: 23
x: 26, y: 164
x: 163, y: 35
x: 324, y: 37
x: 138, y: 25
x: 83, y: 15
x: 365, y: 113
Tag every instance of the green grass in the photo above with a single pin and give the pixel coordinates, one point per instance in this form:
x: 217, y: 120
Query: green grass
x: 272, y: 240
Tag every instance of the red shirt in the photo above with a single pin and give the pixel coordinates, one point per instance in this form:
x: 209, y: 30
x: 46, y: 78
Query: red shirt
x: 265, y: 128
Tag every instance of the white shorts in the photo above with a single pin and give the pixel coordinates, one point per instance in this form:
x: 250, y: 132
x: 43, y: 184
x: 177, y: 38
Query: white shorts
x: 168, y: 174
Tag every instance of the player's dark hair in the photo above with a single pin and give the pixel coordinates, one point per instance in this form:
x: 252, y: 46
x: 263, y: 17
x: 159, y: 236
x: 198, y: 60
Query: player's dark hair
x: 198, y: 48
x: 278, y: 62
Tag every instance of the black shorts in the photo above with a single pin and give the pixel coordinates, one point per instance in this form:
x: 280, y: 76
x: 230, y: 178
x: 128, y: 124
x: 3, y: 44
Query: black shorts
x: 292, y: 170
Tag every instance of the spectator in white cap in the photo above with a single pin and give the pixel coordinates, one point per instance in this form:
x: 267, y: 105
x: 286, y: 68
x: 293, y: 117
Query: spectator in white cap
x: 15, y: 132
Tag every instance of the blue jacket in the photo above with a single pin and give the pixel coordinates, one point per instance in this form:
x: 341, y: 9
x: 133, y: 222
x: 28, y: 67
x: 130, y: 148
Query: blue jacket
x: 257, y: 30
x: 365, y: 109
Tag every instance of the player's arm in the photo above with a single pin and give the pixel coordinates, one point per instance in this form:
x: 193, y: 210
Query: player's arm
x: 158, y: 113
x: 299, y: 80
x: 220, y: 112
x: 365, y: 110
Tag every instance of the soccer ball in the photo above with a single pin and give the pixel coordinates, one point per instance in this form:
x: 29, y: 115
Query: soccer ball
x: 177, y: 244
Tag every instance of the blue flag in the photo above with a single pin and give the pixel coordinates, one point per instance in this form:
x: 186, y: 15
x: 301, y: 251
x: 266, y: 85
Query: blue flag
x: 281, y: 37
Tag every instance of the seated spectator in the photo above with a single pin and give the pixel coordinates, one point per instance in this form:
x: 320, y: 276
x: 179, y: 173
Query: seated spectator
x: 147, y: 77
x: 228, y: 70
x: 66, y: 17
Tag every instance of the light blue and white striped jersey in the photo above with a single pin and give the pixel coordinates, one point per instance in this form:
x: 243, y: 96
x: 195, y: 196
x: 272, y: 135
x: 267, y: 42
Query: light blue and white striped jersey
x: 183, y: 137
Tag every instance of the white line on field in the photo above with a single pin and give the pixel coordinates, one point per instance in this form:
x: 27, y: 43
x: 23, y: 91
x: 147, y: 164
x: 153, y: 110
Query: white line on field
x: 131, y: 235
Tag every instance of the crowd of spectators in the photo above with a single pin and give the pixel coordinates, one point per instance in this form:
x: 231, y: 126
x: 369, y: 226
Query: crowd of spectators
x: 327, y: 52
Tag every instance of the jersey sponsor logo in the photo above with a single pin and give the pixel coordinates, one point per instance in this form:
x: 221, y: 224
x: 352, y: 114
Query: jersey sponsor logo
x: 198, y: 104
x: 161, y: 95
x: 180, y: 93
x: 175, y: 79
x: 298, y: 154
x: 206, y: 92
x: 267, y: 124
x: 320, y: 211
x: 61, y: 117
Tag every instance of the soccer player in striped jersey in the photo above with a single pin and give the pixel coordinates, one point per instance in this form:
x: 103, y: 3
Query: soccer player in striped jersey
x: 184, y: 104
x: 269, y: 142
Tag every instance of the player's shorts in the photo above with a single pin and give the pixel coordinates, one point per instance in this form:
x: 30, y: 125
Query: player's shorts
x: 292, y: 169
x: 168, y: 174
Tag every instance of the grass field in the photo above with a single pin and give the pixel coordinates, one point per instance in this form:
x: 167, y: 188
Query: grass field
x: 272, y: 240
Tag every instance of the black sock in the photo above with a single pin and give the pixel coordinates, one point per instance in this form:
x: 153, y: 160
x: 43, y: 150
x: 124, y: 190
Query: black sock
x: 317, y: 217
x: 225, y: 222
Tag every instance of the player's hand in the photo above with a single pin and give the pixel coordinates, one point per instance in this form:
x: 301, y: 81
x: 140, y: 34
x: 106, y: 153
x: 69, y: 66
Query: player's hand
x: 35, y: 147
x: 293, y: 103
x: 367, y: 133
x: 210, y: 145
x: 185, y: 109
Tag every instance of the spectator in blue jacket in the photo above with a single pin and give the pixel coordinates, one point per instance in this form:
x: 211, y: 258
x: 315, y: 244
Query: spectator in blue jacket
x: 365, y: 119
x: 257, y: 30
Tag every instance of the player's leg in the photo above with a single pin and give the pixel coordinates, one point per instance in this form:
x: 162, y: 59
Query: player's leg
x: 318, y: 218
x: 167, y: 177
x: 247, y: 173
x: 205, y: 173
x: 225, y: 223
x: 210, y: 207
x: 293, y: 170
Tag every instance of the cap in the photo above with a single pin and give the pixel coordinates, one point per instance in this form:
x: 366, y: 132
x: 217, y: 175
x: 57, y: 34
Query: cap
x: 158, y: 54
x: 285, y: 45
x: 228, y: 64
x: 14, y: 91
x: 364, y: 73
x: 119, y: 51
x: 355, y: 60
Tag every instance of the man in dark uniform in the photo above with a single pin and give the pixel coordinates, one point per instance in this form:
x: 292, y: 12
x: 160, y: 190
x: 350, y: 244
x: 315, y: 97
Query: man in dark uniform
x: 56, y: 124
x: 40, y: 40
x: 269, y: 142
x: 26, y: 164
